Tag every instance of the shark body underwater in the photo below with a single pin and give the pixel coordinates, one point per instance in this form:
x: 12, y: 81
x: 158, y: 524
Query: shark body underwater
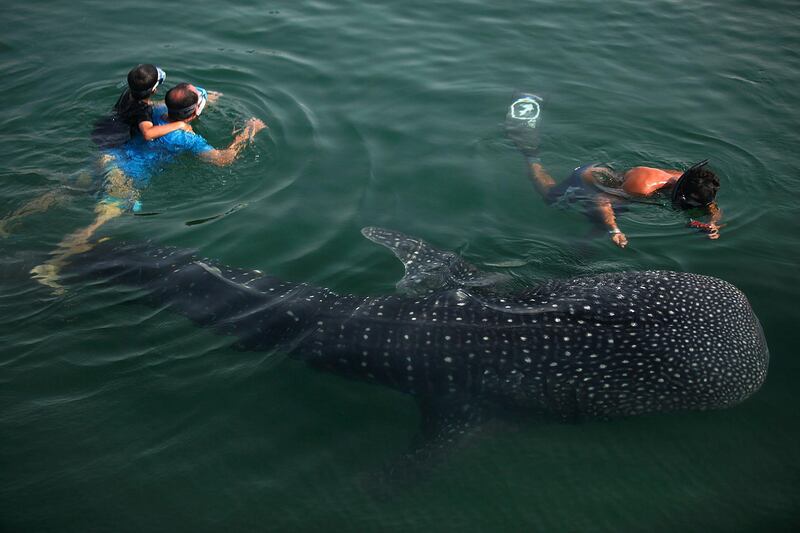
x: 601, y: 346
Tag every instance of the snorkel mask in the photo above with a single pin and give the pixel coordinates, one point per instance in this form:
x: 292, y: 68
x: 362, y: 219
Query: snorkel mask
x: 161, y: 77
x: 159, y: 80
x: 202, y: 100
x: 679, y: 199
x: 196, y: 108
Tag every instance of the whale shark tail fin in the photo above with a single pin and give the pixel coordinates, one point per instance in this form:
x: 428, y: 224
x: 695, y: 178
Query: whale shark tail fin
x: 522, y: 123
x: 429, y: 269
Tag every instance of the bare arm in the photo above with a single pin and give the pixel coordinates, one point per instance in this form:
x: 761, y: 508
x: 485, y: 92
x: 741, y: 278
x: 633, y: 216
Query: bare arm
x: 228, y: 155
x: 716, y: 216
x: 610, y: 221
x: 150, y: 131
x: 713, y: 226
x: 213, y: 96
x: 716, y: 213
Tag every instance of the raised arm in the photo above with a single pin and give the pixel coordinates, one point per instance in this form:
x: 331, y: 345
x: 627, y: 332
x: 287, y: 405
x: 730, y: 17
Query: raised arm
x: 228, y: 155
x: 610, y: 221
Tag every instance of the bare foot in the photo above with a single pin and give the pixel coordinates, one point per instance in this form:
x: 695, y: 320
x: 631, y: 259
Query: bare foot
x: 620, y: 239
x: 47, y: 274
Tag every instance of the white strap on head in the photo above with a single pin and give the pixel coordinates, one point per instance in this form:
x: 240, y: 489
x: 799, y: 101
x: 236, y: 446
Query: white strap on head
x: 202, y: 99
x: 161, y: 77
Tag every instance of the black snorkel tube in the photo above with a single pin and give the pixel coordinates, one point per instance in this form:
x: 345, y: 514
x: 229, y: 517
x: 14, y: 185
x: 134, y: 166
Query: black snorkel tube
x: 679, y: 200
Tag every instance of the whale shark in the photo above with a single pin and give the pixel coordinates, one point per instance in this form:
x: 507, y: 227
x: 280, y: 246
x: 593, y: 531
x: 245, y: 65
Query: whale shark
x: 459, y: 339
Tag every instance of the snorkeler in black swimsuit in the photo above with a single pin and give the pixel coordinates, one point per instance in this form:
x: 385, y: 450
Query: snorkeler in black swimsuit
x: 603, y: 188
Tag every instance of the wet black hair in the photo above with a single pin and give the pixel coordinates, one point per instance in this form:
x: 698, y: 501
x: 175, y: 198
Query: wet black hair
x: 141, y: 80
x: 697, y: 187
x: 180, y: 102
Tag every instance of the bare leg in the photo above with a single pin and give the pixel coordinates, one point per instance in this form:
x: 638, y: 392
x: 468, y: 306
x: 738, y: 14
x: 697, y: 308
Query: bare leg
x: 75, y: 243
x: 46, y: 201
x: 37, y: 205
x: 521, y: 127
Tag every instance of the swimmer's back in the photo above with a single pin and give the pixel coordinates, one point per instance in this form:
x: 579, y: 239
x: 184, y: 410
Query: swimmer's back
x: 644, y: 181
x: 140, y: 159
x: 178, y: 141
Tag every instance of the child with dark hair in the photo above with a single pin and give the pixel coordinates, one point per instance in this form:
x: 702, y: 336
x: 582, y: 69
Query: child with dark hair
x: 133, y: 112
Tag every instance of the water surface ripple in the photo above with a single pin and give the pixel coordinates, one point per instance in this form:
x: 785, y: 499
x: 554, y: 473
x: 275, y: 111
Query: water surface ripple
x: 119, y: 417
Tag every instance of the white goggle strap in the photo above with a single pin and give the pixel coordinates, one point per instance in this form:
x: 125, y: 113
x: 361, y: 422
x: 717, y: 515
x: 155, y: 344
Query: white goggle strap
x: 201, y: 100
x: 161, y: 77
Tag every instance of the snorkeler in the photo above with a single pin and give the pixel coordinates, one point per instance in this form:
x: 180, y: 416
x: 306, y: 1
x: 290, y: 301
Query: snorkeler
x: 134, y: 110
x: 602, y: 187
x: 132, y: 116
x: 130, y: 167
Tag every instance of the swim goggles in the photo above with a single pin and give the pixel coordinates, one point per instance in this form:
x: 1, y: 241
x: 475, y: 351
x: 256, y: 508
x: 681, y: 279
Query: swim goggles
x: 161, y: 77
x: 197, y: 107
x: 202, y: 100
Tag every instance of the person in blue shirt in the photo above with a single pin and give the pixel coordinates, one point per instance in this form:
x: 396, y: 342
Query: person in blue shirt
x: 131, y: 117
x: 129, y: 168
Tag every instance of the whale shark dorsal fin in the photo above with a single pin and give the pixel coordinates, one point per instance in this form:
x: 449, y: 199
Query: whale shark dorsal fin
x: 429, y: 269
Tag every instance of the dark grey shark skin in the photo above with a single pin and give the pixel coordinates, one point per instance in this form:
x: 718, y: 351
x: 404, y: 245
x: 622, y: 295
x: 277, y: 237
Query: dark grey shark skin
x: 608, y: 345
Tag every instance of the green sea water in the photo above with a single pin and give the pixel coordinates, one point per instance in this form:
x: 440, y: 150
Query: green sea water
x: 119, y: 417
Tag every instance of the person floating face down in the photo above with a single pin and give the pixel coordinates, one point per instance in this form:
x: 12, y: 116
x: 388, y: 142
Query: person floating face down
x: 604, y: 187
x: 130, y: 167
x: 693, y: 189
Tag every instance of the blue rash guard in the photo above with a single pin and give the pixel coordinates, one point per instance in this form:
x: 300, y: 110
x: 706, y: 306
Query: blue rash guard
x: 140, y: 159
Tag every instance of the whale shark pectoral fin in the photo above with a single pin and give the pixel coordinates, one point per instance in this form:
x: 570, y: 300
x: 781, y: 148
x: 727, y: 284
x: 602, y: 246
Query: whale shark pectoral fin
x: 429, y: 269
x: 444, y: 419
x: 446, y: 422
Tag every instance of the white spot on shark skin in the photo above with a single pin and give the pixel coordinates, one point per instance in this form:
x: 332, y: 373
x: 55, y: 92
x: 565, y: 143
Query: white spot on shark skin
x: 645, y: 305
